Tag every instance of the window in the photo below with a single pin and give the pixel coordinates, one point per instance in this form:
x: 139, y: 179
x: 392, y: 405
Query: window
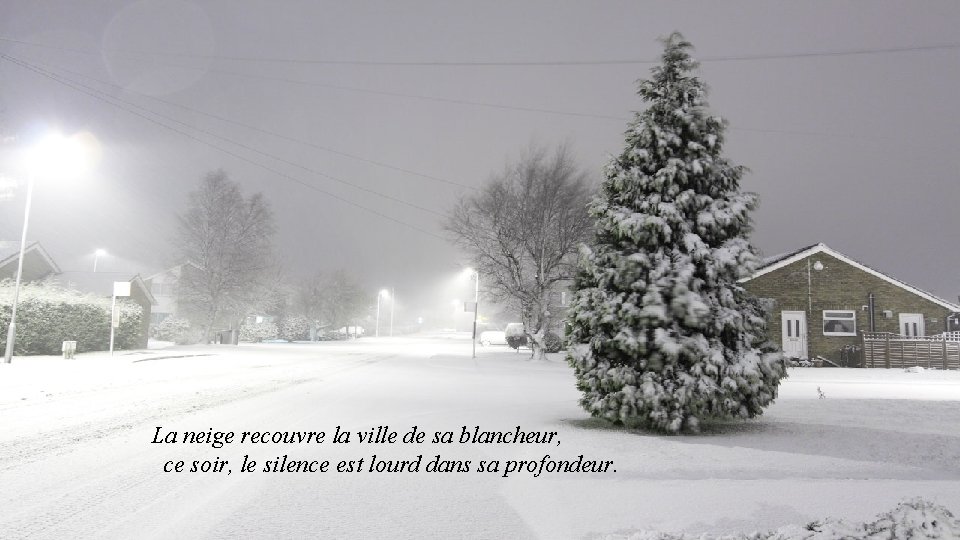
x: 839, y: 323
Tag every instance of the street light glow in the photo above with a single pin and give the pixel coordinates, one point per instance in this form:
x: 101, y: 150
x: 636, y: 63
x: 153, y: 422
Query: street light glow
x: 54, y: 156
x: 96, y: 257
x: 57, y: 156
x: 385, y: 293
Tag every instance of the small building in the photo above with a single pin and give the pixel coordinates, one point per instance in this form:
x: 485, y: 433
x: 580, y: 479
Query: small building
x: 821, y: 303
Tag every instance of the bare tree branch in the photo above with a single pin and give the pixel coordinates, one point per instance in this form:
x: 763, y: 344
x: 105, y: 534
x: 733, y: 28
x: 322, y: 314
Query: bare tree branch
x: 523, y: 231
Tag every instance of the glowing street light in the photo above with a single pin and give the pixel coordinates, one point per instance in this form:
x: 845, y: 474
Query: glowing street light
x: 96, y: 256
x: 55, y: 156
x: 382, y: 294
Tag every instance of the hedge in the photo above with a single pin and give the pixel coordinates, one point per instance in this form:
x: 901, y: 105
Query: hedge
x: 48, y: 315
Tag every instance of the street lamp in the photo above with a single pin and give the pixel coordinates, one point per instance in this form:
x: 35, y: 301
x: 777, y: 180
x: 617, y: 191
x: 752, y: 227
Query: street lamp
x: 382, y: 294
x: 96, y: 256
x: 476, y: 305
x: 54, y: 156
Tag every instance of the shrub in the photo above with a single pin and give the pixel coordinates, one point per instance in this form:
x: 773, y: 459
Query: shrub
x: 177, y: 330
x: 258, y: 332
x: 517, y: 340
x: 294, y: 329
x: 48, y: 315
x: 552, y: 342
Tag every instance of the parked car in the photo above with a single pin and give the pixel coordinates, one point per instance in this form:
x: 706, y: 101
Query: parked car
x: 493, y: 337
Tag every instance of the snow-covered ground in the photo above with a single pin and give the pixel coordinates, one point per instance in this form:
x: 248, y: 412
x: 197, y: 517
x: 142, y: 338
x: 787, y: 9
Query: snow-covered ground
x: 76, y: 458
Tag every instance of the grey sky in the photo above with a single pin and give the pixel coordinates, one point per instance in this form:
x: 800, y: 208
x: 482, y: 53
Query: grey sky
x: 857, y: 151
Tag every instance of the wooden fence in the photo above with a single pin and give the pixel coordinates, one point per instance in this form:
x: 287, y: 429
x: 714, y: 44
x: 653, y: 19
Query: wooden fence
x: 885, y: 350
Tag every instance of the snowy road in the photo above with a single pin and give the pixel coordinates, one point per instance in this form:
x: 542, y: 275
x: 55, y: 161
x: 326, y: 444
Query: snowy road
x: 76, y: 458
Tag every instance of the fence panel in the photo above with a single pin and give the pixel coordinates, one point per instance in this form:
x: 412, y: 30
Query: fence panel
x: 881, y: 349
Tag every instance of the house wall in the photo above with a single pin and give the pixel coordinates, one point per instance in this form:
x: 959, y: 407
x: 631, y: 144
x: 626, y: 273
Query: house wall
x: 839, y: 286
x: 137, y: 295
x: 164, y: 288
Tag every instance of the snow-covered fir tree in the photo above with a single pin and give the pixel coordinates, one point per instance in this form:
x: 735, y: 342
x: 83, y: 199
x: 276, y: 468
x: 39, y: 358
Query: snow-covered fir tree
x: 662, y: 334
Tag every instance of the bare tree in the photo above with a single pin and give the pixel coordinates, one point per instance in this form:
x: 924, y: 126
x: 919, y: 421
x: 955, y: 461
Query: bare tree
x: 228, y: 237
x: 331, y: 300
x: 523, y: 231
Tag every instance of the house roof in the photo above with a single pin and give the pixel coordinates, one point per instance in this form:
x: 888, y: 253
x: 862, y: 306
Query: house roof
x: 101, y: 283
x: 10, y: 251
x: 779, y: 261
x: 173, y: 270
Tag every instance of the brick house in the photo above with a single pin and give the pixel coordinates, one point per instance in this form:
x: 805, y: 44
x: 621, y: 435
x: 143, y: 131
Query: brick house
x: 823, y: 300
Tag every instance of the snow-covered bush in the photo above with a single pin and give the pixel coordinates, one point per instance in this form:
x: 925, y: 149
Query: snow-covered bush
x: 294, y: 328
x: 177, y: 330
x: 552, y: 342
x: 515, y: 335
x: 662, y: 335
x: 915, y: 518
x: 517, y: 341
x: 257, y: 332
x: 48, y: 315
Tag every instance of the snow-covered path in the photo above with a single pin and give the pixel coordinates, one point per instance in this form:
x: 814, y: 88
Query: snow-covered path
x: 76, y: 458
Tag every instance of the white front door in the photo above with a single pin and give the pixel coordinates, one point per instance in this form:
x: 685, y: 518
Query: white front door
x: 911, y: 325
x: 793, y: 328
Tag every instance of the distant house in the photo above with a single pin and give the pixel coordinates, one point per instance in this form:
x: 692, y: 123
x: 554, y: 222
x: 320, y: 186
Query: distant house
x: 101, y: 284
x: 823, y: 300
x: 37, y: 263
x: 165, y: 287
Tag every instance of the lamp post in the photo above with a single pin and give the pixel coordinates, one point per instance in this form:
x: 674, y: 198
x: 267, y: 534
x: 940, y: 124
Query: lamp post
x: 52, y: 156
x: 382, y: 294
x: 12, y: 329
x: 96, y: 256
x: 476, y: 306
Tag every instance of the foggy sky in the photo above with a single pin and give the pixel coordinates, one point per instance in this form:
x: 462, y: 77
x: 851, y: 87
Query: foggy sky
x: 854, y: 150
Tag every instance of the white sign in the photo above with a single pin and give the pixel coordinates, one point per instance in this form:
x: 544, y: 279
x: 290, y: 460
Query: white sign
x: 121, y: 288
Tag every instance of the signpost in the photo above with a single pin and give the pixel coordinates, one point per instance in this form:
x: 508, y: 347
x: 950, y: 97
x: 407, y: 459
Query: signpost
x: 120, y: 288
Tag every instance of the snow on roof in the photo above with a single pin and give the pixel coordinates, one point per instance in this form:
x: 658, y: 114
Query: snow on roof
x: 779, y: 261
x: 10, y: 250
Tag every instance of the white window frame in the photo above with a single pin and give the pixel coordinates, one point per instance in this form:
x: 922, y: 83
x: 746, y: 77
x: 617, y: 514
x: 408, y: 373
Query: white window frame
x: 852, y: 317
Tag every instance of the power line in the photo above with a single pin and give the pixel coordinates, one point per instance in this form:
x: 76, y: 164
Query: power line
x: 265, y: 131
x: 116, y: 102
x: 314, y: 84
x: 518, y: 63
x: 419, y: 97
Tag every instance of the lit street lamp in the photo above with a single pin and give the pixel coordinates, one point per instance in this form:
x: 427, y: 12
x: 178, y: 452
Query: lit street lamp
x: 382, y: 294
x: 54, y: 156
x: 96, y: 256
